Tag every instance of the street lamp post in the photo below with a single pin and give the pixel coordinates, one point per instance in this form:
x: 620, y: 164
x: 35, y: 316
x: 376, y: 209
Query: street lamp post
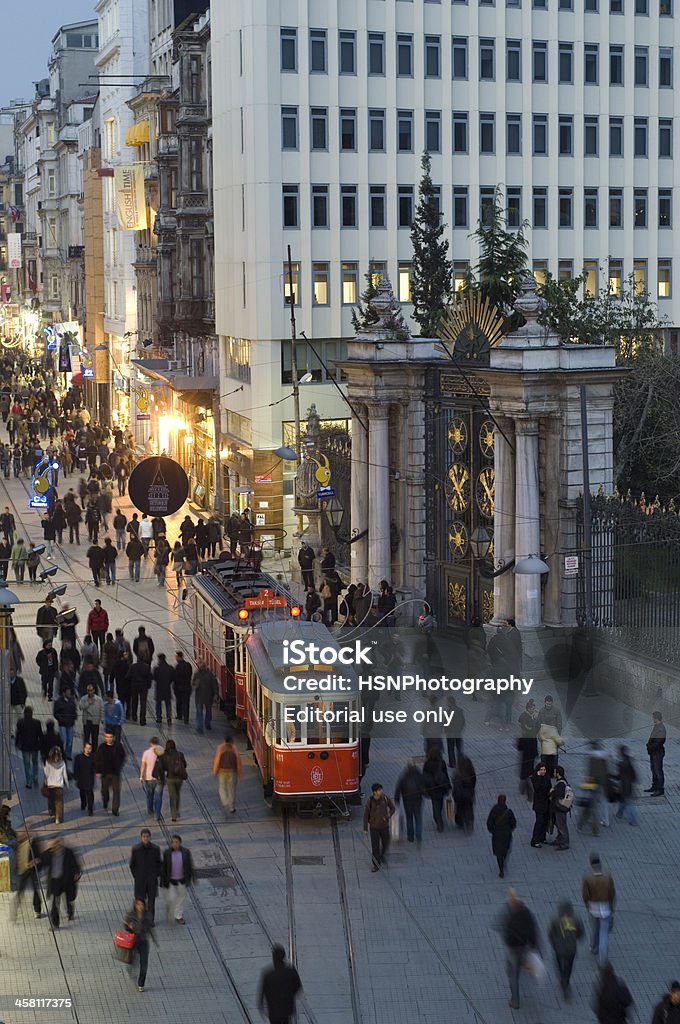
x: 7, y: 602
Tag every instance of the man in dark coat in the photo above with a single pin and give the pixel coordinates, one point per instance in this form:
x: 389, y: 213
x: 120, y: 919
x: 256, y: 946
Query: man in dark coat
x: 656, y: 748
x: 540, y: 785
x: 306, y: 559
x: 145, y: 865
x: 48, y: 667
x: 162, y: 677
x: 139, y: 677
x: 668, y: 1010
x: 612, y: 998
x: 501, y: 823
x: 63, y: 875
x: 95, y: 558
x: 108, y: 763
x: 564, y: 933
x: 206, y: 692
x: 278, y: 989
x: 520, y: 936
x: 411, y: 789
x: 181, y: 684
x: 46, y: 620
x: 84, y: 776
x: 627, y: 777
x: 66, y: 713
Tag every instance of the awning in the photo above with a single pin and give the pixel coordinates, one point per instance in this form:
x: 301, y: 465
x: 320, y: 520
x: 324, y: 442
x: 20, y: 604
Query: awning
x: 138, y: 134
x: 197, y: 396
x: 179, y: 380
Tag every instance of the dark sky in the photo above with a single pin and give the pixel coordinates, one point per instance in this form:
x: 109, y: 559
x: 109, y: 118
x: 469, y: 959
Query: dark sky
x: 27, y: 29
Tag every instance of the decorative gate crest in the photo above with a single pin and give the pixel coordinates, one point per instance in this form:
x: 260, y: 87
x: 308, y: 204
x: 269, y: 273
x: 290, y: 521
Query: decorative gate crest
x: 474, y: 325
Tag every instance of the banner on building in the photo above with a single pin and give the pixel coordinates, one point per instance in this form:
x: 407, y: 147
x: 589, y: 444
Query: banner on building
x: 14, y: 250
x: 130, y: 197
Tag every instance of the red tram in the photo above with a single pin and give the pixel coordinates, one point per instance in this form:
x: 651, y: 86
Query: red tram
x: 241, y: 617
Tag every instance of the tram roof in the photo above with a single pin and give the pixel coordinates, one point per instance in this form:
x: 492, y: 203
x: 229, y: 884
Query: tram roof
x: 265, y: 648
x: 226, y: 585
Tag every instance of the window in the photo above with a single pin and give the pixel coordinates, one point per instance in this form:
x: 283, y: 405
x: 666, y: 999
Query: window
x: 348, y: 206
x: 540, y: 204
x: 591, y: 61
x: 566, y: 207
x: 616, y: 65
x: 461, y: 268
x: 640, y: 136
x: 590, y: 208
x: 664, y: 279
x: 640, y: 208
x: 540, y: 132
x: 460, y: 132
x: 665, y: 67
x: 405, y: 206
x: 640, y: 65
x: 289, y: 127
x: 196, y: 79
x: 404, y: 277
x: 460, y: 207
x: 347, y: 55
x: 540, y: 4
x: 539, y: 269
x: 665, y: 208
x: 641, y: 7
x: 54, y: 286
x: 615, y: 208
x: 433, y: 57
x: 665, y: 136
x: 376, y: 53
x: 378, y: 272
x: 291, y: 206
x: 616, y: 136
x: 405, y: 56
x: 291, y: 284
x: 459, y: 57
x: 539, y: 58
x: 566, y: 133
x: 565, y: 270
x: 404, y: 131
x: 590, y: 273
x: 590, y: 6
x: 196, y: 264
x: 319, y: 206
x: 591, y: 131
x: 289, y: 49
x: 666, y: 8
x: 376, y: 131
x: 513, y: 60
x: 350, y: 282
x: 321, y: 284
x: 487, y: 199
x: 513, y: 207
x: 487, y: 59
x: 566, y: 62
x: 640, y: 277
x: 616, y: 6
x: 565, y: 5
x: 377, y: 210
x: 513, y: 133
x: 348, y: 129
x: 317, y: 51
x: 52, y: 182
x: 433, y: 131
x: 487, y: 132
x: 196, y: 165
x: 615, y: 278
x: 319, y: 128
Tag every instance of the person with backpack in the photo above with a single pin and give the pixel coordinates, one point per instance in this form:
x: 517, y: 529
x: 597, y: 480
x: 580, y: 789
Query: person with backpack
x: 170, y: 770
x: 599, y: 895
x: 564, y: 932
x: 668, y: 1010
x: 561, y: 801
x: 378, y: 810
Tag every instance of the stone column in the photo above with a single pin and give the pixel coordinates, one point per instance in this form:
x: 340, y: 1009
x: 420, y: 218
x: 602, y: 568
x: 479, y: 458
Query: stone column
x: 379, y: 556
x: 359, y: 497
x: 527, y: 524
x: 552, y: 592
x: 504, y: 519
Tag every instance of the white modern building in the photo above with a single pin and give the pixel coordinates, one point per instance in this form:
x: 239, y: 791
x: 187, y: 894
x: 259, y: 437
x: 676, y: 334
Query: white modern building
x: 123, y: 61
x: 321, y: 113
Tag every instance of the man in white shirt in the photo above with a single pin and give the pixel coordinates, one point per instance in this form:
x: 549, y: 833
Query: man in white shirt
x: 152, y: 787
x: 145, y: 533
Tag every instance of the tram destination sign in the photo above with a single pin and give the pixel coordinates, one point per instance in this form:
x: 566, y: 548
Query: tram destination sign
x: 266, y: 599
x: 158, y: 486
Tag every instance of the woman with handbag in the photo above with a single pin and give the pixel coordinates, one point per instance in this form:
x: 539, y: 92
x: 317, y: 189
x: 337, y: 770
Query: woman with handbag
x: 171, y: 770
x: 56, y: 781
x: 139, y: 923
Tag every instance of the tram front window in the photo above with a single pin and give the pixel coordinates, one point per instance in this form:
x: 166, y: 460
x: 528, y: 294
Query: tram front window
x: 340, y: 728
x: 316, y: 727
x: 289, y: 732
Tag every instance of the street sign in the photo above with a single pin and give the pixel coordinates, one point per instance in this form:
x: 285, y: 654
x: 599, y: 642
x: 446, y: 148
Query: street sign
x: 263, y: 479
x: 260, y: 519
x: 38, y: 501
x: 266, y: 599
x: 325, y: 492
x: 571, y: 565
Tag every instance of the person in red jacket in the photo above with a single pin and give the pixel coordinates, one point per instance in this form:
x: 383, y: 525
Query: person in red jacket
x: 98, y: 624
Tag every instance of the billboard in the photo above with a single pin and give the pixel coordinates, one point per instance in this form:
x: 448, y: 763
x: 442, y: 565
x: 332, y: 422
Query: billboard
x: 130, y: 197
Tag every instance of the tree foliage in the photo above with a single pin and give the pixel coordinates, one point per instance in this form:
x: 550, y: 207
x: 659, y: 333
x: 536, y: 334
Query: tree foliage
x: 431, y: 275
x: 364, y: 316
x: 503, y: 260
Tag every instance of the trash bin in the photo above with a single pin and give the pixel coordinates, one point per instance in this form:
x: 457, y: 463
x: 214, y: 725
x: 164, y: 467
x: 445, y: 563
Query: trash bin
x: 5, y: 874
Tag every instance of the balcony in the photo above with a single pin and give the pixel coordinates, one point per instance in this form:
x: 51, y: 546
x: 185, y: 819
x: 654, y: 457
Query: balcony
x: 193, y: 202
x: 146, y: 256
x: 190, y: 113
x: 190, y: 310
x: 151, y: 171
x: 168, y: 145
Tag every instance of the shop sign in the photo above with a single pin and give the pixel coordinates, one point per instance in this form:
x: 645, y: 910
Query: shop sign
x: 158, y: 486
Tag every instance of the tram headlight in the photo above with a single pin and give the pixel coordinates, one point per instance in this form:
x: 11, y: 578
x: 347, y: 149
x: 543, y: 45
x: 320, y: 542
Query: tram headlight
x: 295, y: 612
x: 243, y: 614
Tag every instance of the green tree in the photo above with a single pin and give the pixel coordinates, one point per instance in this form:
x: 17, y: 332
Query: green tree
x: 364, y: 316
x: 503, y: 261
x: 431, y: 276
